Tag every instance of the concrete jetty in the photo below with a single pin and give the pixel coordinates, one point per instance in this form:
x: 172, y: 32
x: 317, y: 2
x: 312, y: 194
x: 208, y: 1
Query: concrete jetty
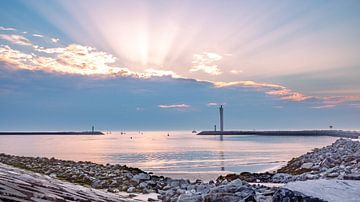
x: 333, y: 133
x: 53, y: 133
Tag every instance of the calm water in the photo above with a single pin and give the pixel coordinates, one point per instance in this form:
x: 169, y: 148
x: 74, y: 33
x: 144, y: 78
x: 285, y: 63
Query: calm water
x: 180, y: 152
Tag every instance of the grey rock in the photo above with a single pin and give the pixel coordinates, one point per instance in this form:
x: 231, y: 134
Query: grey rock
x: 141, y: 177
x: 307, y: 165
x: 281, y: 178
x: 352, y: 177
x: 130, y: 189
x: 189, y: 198
x: 284, y: 195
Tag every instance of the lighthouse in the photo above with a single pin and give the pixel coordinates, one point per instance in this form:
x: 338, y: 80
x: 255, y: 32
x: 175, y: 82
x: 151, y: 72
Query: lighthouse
x: 221, y: 109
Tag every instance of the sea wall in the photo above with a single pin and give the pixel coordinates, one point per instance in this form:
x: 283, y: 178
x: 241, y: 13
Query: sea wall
x: 333, y: 133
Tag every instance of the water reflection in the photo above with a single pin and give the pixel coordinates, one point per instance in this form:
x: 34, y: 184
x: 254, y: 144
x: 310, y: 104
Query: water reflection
x: 222, y: 161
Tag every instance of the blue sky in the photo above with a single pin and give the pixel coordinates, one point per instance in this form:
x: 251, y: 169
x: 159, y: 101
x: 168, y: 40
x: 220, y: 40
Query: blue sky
x: 159, y: 65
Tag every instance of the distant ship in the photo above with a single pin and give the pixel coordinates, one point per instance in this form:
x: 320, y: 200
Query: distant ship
x: 194, y: 131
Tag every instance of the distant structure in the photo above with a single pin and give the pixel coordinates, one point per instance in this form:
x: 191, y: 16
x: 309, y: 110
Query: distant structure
x: 92, y: 129
x: 214, y: 127
x: 221, y: 109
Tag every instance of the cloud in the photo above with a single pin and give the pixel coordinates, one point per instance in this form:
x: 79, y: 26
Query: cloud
x: 14, y: 57
x: 7, y: 28
x: 158, y: 73
x: 324, y: 107
x: 270, y: 89
x: 334, y: 100
x: 245, y: 84
x: 206, y: 62
x: 234, y: 71
x: 55, y: 40
x: 211, y: 104
x: 287, y: 94
x: 38, y: 35
x: 73, y: 59
x: 86, y: 60
x: 174, y: 106
x: 16, y: 39
x: 357, y: 105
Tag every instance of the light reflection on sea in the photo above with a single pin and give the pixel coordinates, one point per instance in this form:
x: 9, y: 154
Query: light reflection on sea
x: 180, y: 152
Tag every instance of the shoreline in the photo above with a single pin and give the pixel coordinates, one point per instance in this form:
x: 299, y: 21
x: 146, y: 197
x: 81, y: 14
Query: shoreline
x: 337, y: 162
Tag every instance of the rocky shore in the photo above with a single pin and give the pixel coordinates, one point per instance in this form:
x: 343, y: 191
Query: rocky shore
x: 117, y: 178
x: 341, y: 160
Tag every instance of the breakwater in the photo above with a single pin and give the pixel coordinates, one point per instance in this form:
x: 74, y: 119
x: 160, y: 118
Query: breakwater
x: 333, y: 133
x: 54, y: 133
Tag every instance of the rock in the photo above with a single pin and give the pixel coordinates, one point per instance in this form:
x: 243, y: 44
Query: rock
x: 202, y: 188
x: 281, y: 178
x: 309, y: 176
x: 180, y: 191
x: 130, y: 190
x: 307, y: 165
x: 333, y: 161
x: 141, y: 177
x: 97, y: 184
x: 246, y: 193
x: 352, y: 177
x: 53, y: 175
x: 143, y: 185
x: 189, y: 198
x: 227, y: 197
x: 332, y: 175
x: 113, y: 190
x: 283, y: 194
x: 174, y: 183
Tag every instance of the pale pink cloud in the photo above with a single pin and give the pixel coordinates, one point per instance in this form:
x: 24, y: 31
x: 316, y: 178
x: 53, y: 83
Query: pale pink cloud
x: 158, y: 73
x: 339, y: 99
x: 206, y: 62
x: 7, y: 28
x: 174, y: 106
x: 270, y: 89
x: 245, y: 84
x: 357, y: 105
x: 38, y: 35
x: 16, y: 39
x: 324, y: 107
x: 234, y: 71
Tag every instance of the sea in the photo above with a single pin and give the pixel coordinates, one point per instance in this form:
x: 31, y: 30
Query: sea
x: 169, y: 153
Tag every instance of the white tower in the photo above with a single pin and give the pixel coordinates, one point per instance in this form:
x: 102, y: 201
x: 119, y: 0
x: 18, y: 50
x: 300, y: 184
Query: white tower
x: 221, y: 109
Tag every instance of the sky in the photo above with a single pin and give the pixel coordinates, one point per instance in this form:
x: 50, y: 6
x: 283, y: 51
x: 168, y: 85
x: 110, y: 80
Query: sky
x: 168, y: 65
